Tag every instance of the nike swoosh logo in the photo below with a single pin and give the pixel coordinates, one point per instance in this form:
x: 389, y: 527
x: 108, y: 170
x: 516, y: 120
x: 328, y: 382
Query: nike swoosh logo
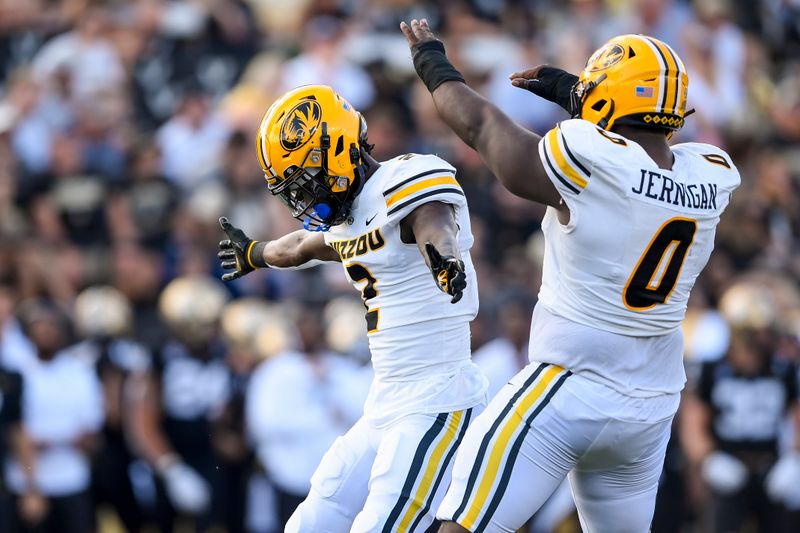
x: 371, y: 219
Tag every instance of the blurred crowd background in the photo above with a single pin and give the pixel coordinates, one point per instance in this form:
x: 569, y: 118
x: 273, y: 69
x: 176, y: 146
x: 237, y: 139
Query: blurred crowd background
x: 139, y: 393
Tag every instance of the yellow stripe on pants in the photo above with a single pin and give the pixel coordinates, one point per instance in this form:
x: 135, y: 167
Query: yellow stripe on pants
x: 514, y: 420
x: 434, y: 464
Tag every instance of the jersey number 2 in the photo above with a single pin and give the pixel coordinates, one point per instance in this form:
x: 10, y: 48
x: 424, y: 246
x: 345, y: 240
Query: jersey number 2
x: 657, y: 271
x: 357, y: 273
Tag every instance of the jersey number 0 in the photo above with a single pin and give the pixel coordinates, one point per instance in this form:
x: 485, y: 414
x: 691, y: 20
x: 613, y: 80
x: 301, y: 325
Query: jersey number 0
x: 656, y: 273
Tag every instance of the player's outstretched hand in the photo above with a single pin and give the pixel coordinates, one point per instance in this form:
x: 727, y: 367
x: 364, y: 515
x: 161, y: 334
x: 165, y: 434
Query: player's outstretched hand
x: 417, y: 32
x: 233, y: 251
x: 553, y: 84
x: 448, y: 273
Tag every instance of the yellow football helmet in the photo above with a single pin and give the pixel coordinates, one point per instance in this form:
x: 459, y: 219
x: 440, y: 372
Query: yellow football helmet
x: 311, y: 146
x: 636, y: 80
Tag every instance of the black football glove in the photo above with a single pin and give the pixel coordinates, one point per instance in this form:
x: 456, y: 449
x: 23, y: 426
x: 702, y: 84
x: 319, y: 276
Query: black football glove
x: 552, y: 84
x: 448, y: 273
x: 233, y: 251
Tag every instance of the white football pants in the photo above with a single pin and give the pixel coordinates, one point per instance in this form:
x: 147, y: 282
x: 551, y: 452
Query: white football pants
x: 546, y: 424
x: 389, y: 479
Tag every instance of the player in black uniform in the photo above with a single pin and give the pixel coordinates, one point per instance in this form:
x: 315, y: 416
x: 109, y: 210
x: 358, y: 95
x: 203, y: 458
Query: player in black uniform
x: 104, y: 320
x: 178, y: 401
x: 733, y: 418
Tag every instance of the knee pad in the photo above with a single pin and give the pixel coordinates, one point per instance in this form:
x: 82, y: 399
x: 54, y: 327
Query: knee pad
x: 318, y: 515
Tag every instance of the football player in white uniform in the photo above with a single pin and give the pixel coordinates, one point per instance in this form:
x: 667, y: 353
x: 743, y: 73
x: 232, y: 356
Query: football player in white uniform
x: 629, y: 226
x: 391, y: 224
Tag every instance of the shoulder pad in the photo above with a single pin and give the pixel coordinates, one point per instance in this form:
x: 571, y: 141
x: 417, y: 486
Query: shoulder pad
x: 567, y: 152
x: 415, y: 179
x: 713, y: 161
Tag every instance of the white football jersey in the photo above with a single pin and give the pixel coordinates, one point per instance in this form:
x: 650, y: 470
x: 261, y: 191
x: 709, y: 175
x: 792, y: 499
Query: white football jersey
x: 638, y: 235
x: 416, y: 335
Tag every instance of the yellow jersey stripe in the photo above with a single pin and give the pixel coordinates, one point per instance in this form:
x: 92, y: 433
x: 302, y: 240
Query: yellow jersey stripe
x: 561, y: 161
x: 434, y: 464
x: 500, y: 446
x: 420, y: 185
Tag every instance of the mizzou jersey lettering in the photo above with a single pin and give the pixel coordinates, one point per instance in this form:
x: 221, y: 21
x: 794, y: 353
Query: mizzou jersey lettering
x: 369, y: 242
x: 391, y: 276
x: 638, y: 235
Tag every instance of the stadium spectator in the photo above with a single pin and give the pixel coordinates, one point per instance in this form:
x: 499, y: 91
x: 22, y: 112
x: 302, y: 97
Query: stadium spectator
x: 191, y: 142
x: 11, y: 436
x: 299, y: 402
x: 103, y: 319
x: 322, y: 62
x: 62, y: 413
x: 735, y: 414
x: 502, y: 357
x: 178, y: 401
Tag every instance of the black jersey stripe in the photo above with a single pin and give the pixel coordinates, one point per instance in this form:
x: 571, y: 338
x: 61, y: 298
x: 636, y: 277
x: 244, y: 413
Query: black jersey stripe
x: 416, y: 467
x: 428, y: 194
x: 512, y: 455
x: 571, y: 155
x: 566, y: 183
x: 389, y: 191
x: 476, y: 467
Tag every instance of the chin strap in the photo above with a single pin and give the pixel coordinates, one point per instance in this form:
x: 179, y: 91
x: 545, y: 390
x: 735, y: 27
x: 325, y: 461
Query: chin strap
x: 604, y: 121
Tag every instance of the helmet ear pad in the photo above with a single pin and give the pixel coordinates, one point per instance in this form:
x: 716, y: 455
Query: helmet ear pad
x: 606, y: 108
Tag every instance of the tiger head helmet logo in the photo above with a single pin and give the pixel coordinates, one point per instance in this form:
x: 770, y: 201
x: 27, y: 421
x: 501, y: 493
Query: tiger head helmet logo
x: 300, y: 124
x: 605, y: 57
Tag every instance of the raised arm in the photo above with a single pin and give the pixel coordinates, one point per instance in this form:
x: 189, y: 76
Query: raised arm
x: 509, y: 150
x: 433, y: 227
x: 299, y: 249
